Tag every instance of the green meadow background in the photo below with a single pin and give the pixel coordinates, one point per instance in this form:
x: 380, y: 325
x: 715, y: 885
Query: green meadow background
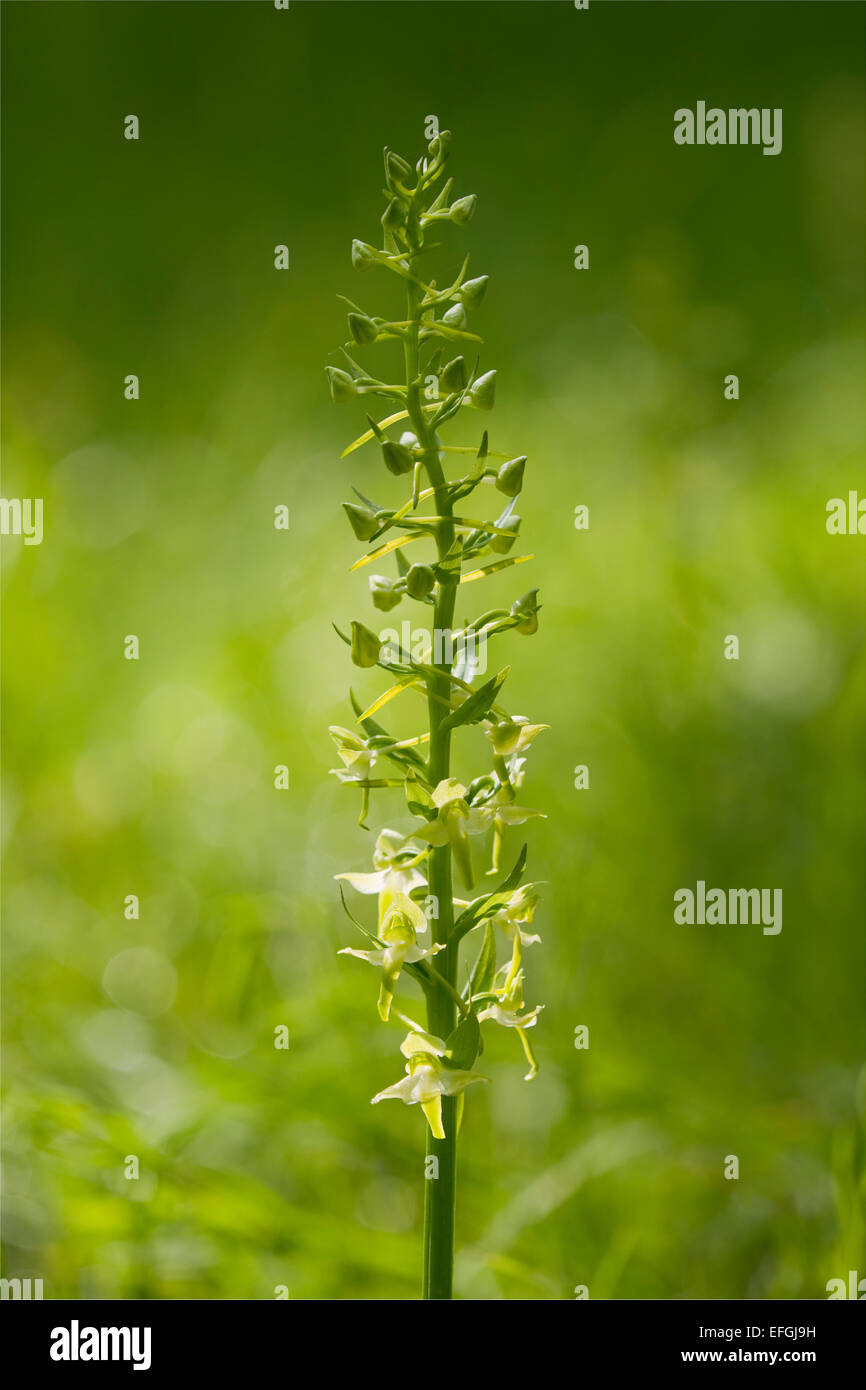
x: 154, y: 1037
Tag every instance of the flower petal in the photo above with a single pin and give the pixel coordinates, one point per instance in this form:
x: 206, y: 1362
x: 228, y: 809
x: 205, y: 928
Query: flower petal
x: 433, y: 1111
x: 366, y: 883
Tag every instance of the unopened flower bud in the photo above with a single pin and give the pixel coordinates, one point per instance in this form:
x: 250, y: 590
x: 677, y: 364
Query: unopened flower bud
x: 502, y: 544
x: 396, y: 167
x: 509, y: 479
x: 482, y: 392
x: 420, y: 581
x: 473, y: 291
x: 362, y: 520
x: 364, y: 256
x: 365, y: 646
x: 384, y: 592
x: 438, y: 146
x: 504, y: 736
x: 461, y: 211
x: 342, y: 385
x: 394, y: 216
x: 455, y: 317
x: 455, y: 375
x: 526, y: 608
x: 362, y: 329
x: 512, y: 736
x: 397, y: 458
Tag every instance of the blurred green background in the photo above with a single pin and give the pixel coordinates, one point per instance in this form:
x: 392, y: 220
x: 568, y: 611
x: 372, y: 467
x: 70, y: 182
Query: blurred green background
x: 155, y: 1037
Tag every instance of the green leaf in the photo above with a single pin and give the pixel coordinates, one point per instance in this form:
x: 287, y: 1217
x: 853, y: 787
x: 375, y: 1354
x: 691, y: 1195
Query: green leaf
x: 439, y: 202
x: 510, y: 882
x: 403, y: 756
x: 382, y: 700
x: 493, y: 568
x: 464, y: 1043
x: 491, y: 902
x: 484, y: 969
x: 374, y: 506
x: 478, y: 705
x: 450, y: 407
x: 363, y: 438
x: 452, y: 335
x: 385, y: 550
x: 478, y: 467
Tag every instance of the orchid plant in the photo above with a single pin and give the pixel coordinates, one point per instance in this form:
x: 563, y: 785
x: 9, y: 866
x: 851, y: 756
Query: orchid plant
x: 421, y: 923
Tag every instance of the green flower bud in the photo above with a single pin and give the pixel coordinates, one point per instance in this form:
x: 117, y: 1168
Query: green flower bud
x: 526, y: 608
x: 394, y: 216
x: 438, y: 146
x: 461, y: 211
x: 396, y: 167
x: 362, y: 329
x: 365, y: 646
x: 509, y: 479
x: 364, y: 256
x: 384, y: 592
x: 502, y: 544
x: 504, y: 736
x: 473, y: 291
x: 397, y: 458
x: 362, y: 520
x: 342, y: 385
x: 514, y: 736
x: 482, y: 392
x: 454, y: 376
x: 420, y: 581
x: 455, y: 317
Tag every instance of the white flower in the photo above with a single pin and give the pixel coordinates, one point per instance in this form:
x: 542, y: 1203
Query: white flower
x: 518, y: 913
x: 457, y: 820
x: 427, y: 1079
x: 498, y: 815
x: 401, y: 921
x: 510, y: 1018
x: 505, y: 1008
x: 453, y: 824
x: 358, y: 758
x: 395, y: 871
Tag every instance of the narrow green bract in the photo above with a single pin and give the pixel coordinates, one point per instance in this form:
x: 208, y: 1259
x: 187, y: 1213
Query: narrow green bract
x: 421, y: 923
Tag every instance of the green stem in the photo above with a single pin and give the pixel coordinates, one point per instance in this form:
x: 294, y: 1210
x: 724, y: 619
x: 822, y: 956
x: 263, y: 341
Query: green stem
x: 440, y: 1194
